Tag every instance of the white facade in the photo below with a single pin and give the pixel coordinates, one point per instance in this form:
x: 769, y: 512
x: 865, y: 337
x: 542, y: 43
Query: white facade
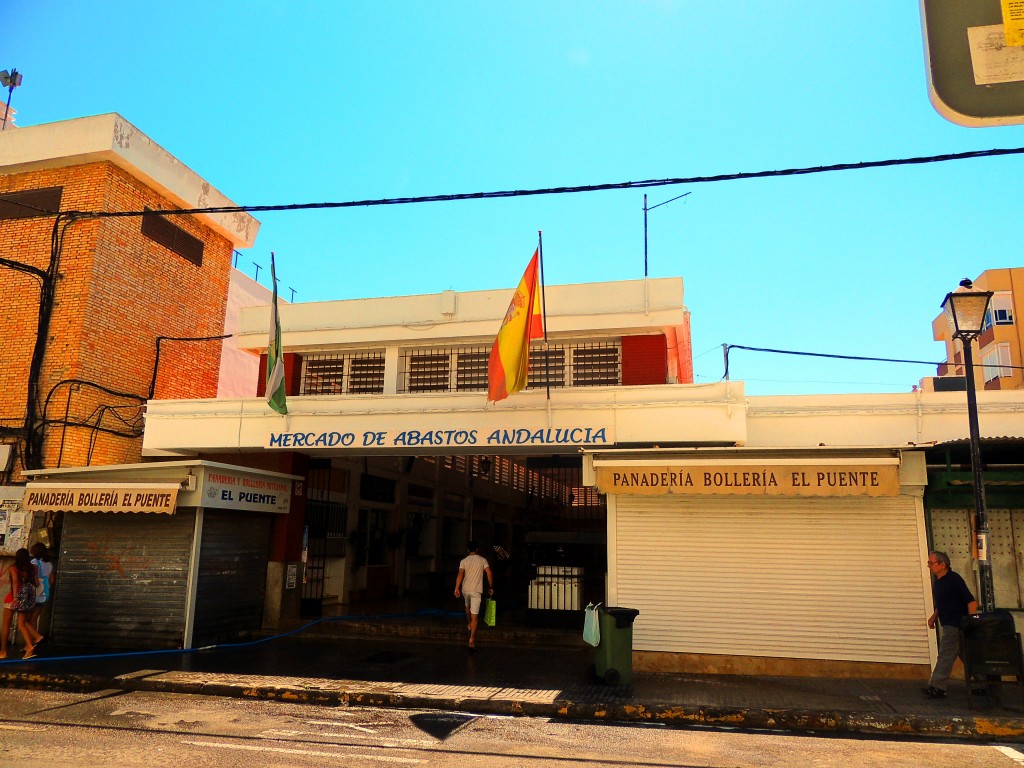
x: 729, y: 579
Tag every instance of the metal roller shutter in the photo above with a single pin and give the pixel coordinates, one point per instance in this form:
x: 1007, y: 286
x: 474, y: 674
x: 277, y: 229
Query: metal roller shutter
x: 232, y: 575
x: 123, y: 580
x: 833, y: 579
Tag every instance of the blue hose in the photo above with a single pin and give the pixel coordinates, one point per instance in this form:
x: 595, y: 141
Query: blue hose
x: 182, y: 651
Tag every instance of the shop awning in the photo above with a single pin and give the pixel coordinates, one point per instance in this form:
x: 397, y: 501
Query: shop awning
x: 153, y: 498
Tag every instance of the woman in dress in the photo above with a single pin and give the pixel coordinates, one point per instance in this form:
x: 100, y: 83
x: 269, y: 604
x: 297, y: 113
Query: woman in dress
x: 24, y: 578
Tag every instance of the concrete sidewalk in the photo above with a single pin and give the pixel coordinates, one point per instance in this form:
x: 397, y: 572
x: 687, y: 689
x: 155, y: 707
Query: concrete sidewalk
x: 517, y: 672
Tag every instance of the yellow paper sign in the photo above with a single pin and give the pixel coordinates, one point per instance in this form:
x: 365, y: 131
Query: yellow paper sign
x: 1013, y: 21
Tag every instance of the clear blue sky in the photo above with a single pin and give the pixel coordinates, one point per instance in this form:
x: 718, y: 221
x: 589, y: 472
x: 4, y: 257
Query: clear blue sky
x: 278, y: 103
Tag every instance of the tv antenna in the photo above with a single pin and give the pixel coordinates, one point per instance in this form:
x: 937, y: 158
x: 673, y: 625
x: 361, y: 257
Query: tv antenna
x: 646, y: 209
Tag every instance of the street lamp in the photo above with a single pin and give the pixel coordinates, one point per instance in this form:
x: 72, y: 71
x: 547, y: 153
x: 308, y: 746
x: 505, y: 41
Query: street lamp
x: 965, y: 312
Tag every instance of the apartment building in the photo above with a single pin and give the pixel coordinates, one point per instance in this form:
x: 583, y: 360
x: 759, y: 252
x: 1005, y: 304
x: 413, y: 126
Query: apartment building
x: 997, y: 360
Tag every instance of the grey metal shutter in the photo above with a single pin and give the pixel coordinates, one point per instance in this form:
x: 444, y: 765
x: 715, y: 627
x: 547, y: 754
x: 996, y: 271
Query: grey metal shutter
x: 809, y: 579
x: 122, y: 580
x: 232, y: 575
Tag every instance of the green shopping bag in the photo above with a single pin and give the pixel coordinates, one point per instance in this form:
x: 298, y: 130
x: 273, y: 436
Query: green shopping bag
x: 490, y: 613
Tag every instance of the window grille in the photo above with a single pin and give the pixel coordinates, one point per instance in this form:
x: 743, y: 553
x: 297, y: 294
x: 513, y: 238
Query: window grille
x: 428, y: 371
x: 597, y: 365
x: 354, y: 373
x: 471, y: 369
x: 460, y: 369
x: 546, y: 369
x: 366, y: 373
x: 464, y: 369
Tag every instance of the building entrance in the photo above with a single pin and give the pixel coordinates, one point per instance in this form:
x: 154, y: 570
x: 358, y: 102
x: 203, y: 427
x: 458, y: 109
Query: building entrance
x: 383, y: 530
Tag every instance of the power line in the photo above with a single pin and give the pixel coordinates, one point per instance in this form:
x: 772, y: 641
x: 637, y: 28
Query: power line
x: 859, y: 358
x: 563, y: 190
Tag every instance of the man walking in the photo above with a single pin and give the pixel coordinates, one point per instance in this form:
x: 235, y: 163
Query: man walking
x: 953, y: 601
x: 469, y: 585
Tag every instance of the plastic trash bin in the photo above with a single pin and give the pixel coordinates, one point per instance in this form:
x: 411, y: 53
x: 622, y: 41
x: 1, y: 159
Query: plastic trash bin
x: 613, y: 657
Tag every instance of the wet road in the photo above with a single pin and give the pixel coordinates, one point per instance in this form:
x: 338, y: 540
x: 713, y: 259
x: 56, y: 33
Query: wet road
x: 123, y: 730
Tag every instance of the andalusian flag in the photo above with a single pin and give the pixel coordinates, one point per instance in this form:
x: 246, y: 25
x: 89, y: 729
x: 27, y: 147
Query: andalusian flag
x: 275, y: 363
x: 510, y: 355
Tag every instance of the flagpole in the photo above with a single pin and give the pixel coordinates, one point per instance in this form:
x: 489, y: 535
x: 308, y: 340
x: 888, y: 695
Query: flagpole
x: 544, y: 313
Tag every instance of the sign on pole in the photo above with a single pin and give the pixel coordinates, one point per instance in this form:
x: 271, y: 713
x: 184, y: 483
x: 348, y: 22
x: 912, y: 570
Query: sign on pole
x: 974, y: 54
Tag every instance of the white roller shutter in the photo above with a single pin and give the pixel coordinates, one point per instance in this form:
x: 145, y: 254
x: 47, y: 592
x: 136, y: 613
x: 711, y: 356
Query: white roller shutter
x: 829, y: 578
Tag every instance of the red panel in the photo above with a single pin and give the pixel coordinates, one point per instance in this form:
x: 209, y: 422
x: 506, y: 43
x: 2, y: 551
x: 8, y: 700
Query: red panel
x: 292, y: 374
x: 644, y: 360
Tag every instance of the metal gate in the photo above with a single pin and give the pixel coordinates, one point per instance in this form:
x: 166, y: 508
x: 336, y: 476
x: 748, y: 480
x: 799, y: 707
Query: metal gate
x: 326, y: 531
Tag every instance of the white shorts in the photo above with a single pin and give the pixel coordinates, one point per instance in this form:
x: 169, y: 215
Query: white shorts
x: 473, y: 601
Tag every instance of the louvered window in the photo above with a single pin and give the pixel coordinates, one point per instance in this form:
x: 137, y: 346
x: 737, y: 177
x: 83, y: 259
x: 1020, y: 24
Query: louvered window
x: 159, y: 229
x: 354, y: 373
x: 546, y: 369
x: 428, y: 371
x: 471, y: 370
x: 29, y: 203
x: 465, y: 369
x: 366, y: 374
x: 597, y: 365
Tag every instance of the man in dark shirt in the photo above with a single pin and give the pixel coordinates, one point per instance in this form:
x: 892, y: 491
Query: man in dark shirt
x: 953, y: 601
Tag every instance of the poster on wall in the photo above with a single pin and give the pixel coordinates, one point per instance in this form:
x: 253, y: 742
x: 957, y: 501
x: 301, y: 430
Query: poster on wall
x: 14, y: 527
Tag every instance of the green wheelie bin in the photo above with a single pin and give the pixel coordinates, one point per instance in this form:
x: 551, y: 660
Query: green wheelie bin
x: 613, y: 657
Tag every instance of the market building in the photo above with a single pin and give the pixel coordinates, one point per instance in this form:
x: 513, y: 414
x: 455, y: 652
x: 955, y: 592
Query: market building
x: 781, y: 535
x: 784, y: 535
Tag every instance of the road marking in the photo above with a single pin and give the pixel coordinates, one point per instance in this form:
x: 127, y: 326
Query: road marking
x: 334, y: 723
x: 308, y: 752
x: 280, y: 733
x: 1012, y: 753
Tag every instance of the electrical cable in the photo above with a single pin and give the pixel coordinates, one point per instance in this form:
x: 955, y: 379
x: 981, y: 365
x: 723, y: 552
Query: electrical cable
x: 861, y: 358
x: 561, y: 190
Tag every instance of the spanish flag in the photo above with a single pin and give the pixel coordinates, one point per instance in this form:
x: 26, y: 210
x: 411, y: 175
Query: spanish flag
x: 510, y: 355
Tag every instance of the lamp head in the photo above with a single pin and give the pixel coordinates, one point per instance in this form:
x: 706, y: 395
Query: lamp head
x: 965, y: 310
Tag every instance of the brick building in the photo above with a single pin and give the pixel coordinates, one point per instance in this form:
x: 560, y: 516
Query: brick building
x: 102, y: 311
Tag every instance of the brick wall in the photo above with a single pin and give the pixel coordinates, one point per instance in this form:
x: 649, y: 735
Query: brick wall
x: 117, y: 291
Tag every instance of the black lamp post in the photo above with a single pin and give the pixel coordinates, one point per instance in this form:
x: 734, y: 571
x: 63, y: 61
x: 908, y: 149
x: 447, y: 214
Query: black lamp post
x: 965, y: 311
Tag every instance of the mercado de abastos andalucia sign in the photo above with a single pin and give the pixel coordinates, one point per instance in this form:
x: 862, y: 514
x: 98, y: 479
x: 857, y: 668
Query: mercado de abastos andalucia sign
x: 444, y: 438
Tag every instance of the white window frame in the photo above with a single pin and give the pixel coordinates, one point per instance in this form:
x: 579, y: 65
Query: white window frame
x: 996, y: 362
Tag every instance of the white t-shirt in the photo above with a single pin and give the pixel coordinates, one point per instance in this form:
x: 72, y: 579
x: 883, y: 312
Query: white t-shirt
x: 43, y: 570
x: 473, y: 580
